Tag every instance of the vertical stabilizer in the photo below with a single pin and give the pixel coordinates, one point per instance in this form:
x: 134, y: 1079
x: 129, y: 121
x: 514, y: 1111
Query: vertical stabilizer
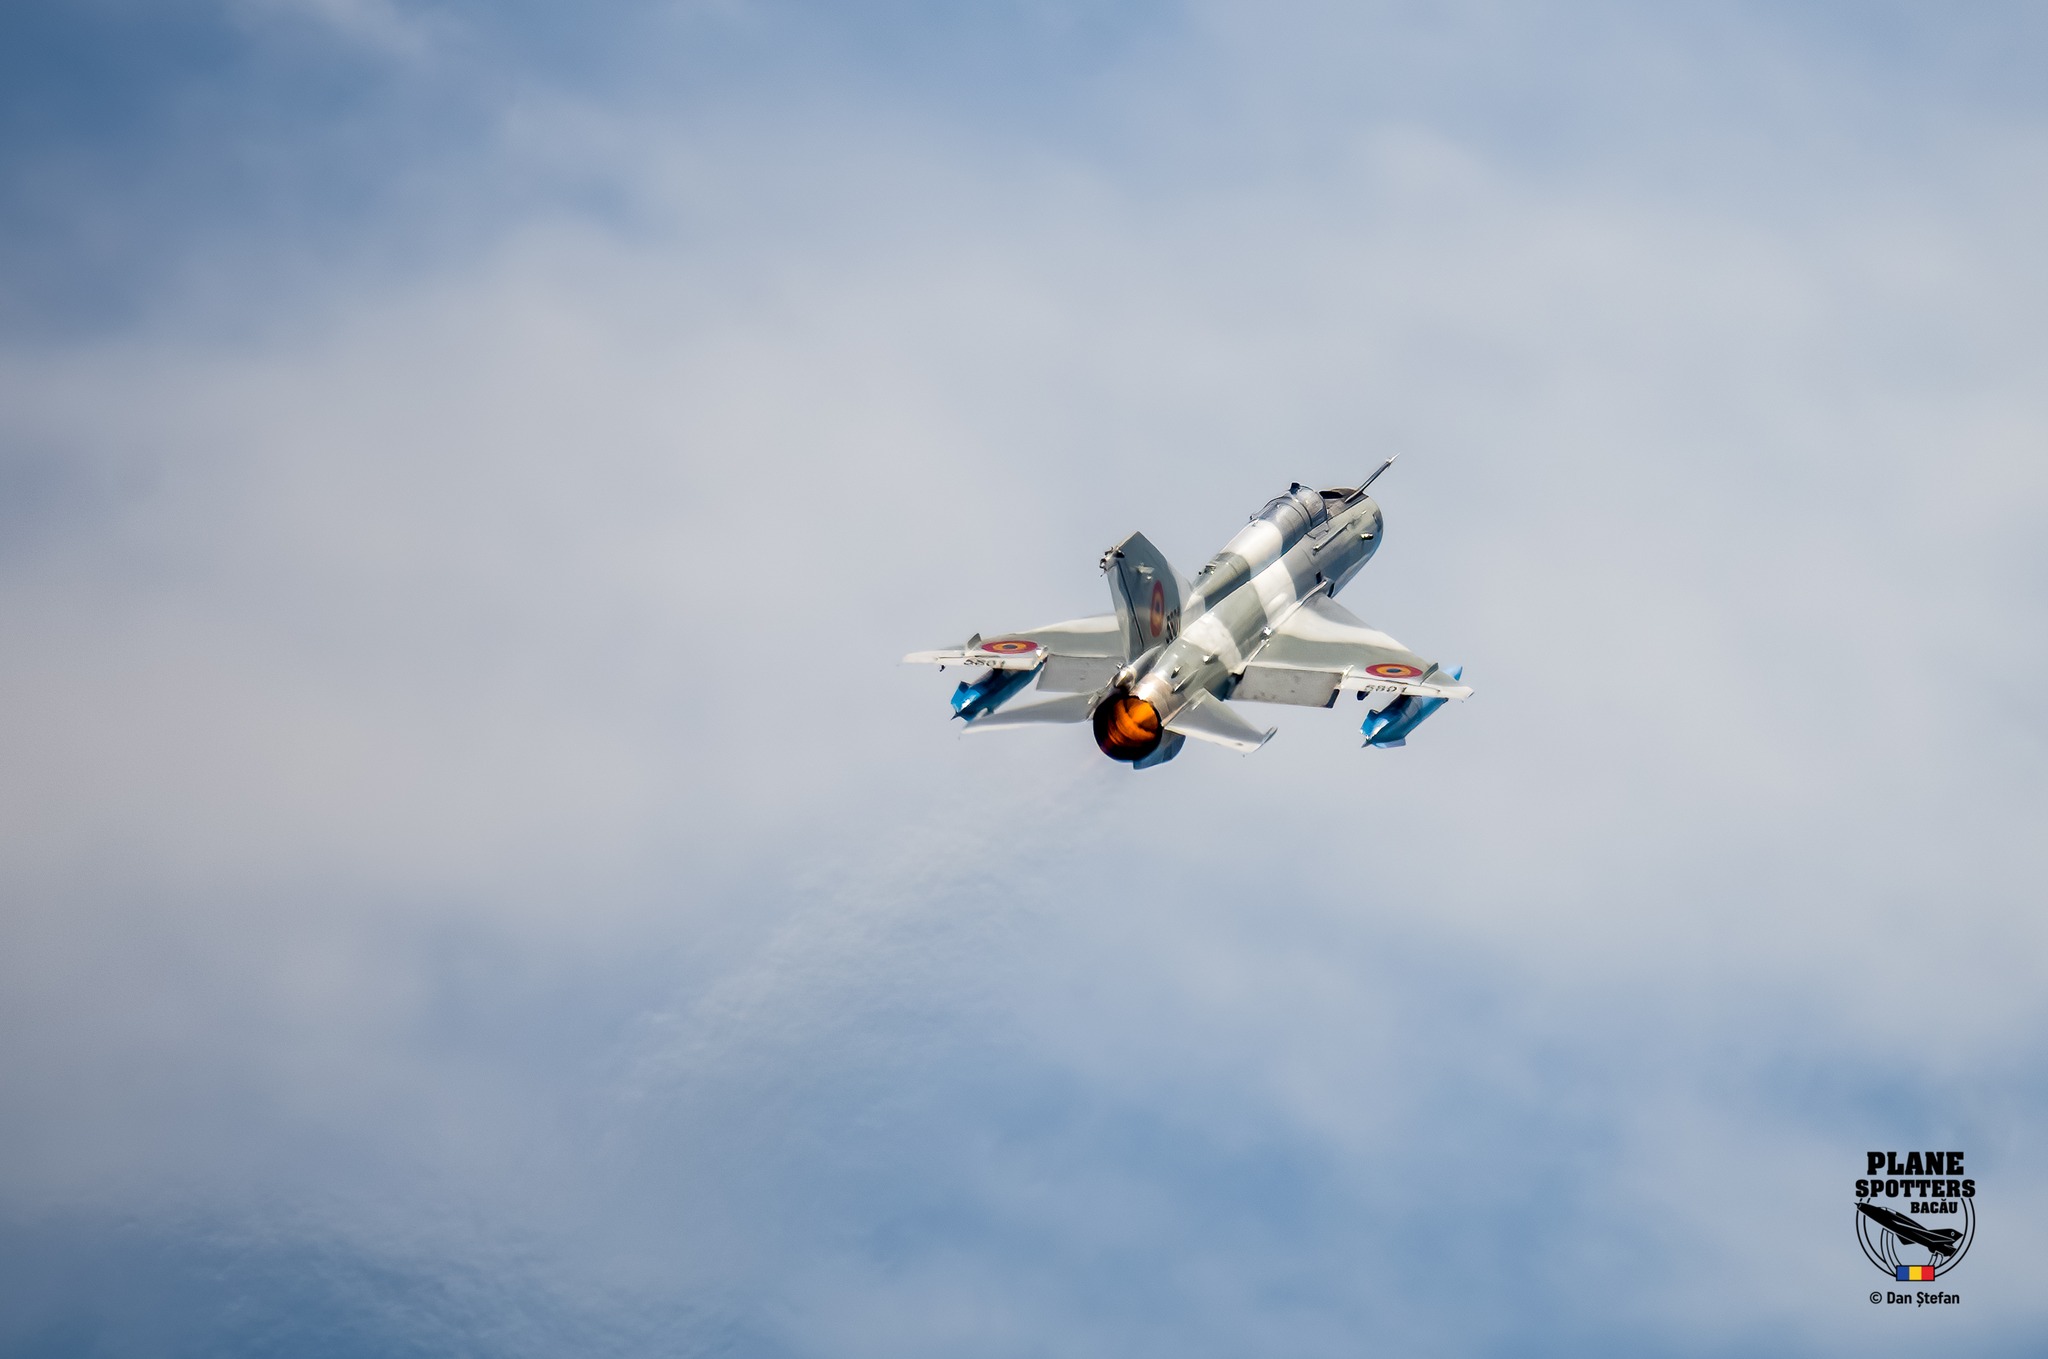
x: 1147, y: 593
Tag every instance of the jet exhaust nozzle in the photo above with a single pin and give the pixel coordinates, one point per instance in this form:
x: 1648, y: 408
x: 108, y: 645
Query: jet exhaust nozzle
x: 1127, y: 728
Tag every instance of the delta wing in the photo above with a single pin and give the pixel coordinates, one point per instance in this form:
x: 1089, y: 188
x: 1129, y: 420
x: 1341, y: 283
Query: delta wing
x: 1322, y: 650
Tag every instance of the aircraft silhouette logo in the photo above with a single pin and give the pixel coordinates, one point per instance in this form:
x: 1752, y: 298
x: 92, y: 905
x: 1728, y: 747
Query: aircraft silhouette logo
x: 1916, y: 1214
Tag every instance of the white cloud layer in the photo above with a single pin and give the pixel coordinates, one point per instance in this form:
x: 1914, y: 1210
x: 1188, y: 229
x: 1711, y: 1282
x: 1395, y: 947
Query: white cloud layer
x: 474, y: 865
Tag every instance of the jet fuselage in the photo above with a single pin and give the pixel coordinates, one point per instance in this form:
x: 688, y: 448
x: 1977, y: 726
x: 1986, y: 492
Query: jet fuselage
x: 1302, y: 544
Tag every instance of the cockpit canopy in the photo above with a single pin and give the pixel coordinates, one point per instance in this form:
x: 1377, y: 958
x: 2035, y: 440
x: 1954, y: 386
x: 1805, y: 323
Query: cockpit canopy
x: 1296, y: 512
x: 1294, y: 515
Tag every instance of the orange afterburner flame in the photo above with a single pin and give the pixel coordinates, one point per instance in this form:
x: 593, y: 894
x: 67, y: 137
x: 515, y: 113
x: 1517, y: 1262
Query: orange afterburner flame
x: 1126, y: 728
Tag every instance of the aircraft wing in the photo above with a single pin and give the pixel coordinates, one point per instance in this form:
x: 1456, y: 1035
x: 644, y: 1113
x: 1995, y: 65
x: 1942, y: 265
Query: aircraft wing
x: 1322, y: 650
x: 1078, y: 656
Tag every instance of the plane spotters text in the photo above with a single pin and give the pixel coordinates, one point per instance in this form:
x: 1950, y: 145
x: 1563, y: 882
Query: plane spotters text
x: 1892, y: 1176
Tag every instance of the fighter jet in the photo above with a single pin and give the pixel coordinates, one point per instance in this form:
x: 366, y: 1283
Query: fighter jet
x: 1940, y: 1240
x: 1258, y: 624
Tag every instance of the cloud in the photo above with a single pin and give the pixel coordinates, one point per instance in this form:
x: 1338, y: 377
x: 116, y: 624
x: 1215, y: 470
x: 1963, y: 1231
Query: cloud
x: 380, y: 25
x: 479, y: 878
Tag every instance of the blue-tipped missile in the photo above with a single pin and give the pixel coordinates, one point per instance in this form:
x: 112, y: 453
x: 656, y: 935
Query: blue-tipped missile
x: 1389, y: 727
x: 989, y: 692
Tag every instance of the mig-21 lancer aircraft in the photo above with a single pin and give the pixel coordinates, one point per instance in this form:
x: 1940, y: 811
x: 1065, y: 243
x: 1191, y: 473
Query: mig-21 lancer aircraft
x: 1259, y: 623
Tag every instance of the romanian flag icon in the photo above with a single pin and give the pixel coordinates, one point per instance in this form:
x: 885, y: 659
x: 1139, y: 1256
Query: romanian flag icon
x: 1916, y: 1273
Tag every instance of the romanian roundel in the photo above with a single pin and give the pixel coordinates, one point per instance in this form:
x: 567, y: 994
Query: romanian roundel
x: 1394, y: 670
x: 1158, y: 619
x: 1015, y: 646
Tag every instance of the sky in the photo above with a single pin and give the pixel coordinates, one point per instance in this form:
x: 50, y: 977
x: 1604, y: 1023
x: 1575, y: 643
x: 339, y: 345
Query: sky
x: 475, y: 878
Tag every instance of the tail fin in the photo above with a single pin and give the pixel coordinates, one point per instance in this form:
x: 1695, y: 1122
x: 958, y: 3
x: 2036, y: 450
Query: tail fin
x: 1147, y: 593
